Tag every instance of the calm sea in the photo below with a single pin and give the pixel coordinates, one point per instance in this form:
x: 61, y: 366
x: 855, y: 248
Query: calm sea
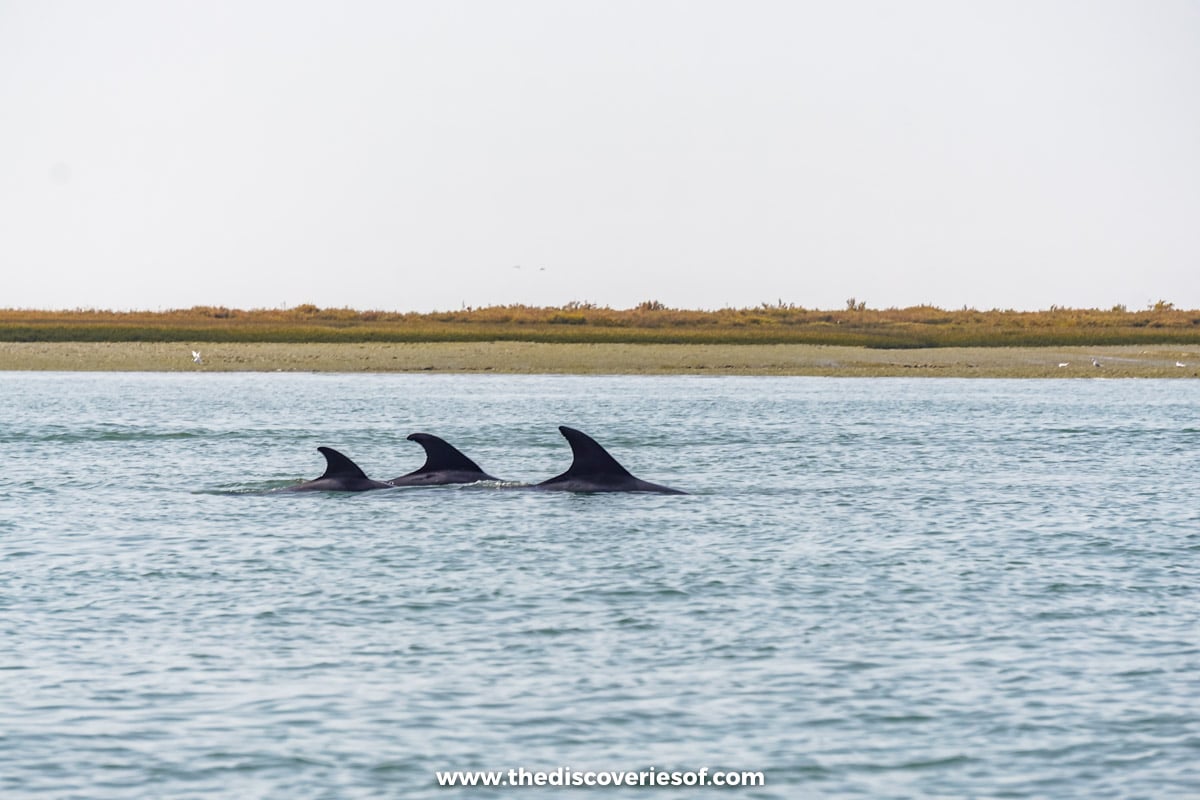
x: 877, y: 588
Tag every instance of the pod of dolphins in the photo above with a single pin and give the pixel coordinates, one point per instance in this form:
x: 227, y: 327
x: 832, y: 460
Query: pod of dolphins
x: 592, y: 470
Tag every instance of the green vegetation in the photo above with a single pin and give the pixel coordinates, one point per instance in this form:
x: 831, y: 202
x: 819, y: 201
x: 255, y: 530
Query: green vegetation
x: 650, y: 322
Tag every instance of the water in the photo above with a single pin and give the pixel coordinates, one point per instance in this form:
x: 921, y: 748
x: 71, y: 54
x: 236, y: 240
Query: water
x: 878, y: 588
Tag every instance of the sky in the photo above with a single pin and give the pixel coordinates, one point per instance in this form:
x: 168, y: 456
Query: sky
x: 418, y: 156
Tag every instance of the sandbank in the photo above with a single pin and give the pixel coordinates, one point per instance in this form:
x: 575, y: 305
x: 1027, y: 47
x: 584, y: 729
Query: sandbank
x: 1132, y: 361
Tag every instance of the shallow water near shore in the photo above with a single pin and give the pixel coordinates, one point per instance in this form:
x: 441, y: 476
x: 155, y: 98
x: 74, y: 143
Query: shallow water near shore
x: 876, y: 588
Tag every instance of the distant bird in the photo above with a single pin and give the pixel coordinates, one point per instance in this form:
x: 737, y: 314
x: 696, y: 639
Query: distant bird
x: 1065, y: 364
x: 1095, y: 363
x: 1180, y: 364
x: 196, y: 357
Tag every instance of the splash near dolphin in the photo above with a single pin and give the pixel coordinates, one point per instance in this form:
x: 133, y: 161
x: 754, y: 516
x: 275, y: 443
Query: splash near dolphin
x: 594, y: 470
x: 444, y: 464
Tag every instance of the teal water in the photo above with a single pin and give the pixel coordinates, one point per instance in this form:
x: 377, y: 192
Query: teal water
x: 877, y: 588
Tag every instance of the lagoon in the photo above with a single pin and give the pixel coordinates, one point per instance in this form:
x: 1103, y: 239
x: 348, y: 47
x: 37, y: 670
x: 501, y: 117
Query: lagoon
x: 884, y: 588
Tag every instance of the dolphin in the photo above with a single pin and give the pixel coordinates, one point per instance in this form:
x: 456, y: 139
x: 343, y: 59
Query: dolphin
x: 341, y: 475
x: 443, y: 464
x: 594, y: 470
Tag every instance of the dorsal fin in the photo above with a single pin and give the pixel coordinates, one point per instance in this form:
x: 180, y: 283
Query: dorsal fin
x: 590, y: 458
x: 338, y: 466
x: 440, y: 455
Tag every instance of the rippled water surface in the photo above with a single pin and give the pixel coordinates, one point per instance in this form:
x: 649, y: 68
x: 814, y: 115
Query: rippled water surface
x: 877, y: 588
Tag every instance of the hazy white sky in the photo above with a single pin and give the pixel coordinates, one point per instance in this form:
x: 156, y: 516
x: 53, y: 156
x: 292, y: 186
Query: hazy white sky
x: 410, y: 155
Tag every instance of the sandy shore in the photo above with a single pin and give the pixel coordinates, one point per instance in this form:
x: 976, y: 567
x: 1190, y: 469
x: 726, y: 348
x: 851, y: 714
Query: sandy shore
x: 529, y: 357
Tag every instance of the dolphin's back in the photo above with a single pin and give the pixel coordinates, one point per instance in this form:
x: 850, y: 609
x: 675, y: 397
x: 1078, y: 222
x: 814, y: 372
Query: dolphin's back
x: 341, y: 475
x: 444, y: 463
x: 593, y: 469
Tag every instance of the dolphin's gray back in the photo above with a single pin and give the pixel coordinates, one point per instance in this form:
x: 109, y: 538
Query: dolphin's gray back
x: 593, y: 469
x: 444, y: 463
x: 341, y: 475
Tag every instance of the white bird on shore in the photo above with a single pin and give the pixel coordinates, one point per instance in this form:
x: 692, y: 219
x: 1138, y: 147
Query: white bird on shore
x: 196, y: 357
x: 1064, y: 364
x: 1180, y: 364
x: 1095, y: 362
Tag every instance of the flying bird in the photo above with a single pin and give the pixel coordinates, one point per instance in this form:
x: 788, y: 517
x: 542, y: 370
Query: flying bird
x: 196, y: 357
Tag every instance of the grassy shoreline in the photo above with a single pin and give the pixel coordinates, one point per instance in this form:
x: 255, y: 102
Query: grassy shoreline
x: 649, y: 323
x: 1124, y: 361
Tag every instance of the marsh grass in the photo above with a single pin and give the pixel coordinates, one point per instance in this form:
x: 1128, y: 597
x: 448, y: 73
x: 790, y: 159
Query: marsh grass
x: 649, y: 323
